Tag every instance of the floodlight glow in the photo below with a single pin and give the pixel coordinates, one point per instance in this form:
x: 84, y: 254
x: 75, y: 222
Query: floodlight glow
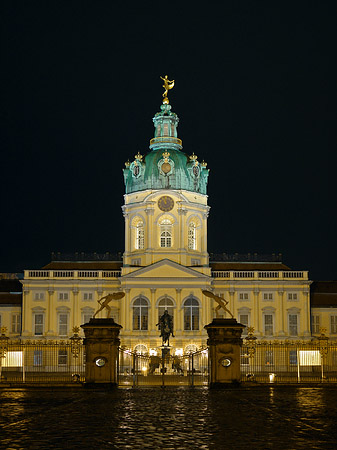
x: 271, y: 377
x: 309, y: 358
x: 13, y: 359
x: 179, y: 352
x: 153, y: 352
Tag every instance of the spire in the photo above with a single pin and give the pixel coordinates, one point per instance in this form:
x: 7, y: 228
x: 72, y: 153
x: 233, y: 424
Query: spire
x: 165, y: 123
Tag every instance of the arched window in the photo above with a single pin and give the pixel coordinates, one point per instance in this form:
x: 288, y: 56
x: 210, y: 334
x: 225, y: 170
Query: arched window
x: 141, y: 349
x: 139, y: 236
x: 140, y: 314
x: 192, y: 234
x: 191, y: 314
x: 165, y: 304
x: 190, y: 348
x: 165, y: 233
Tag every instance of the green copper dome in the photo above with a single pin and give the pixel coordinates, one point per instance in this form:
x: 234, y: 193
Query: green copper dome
x: 165, y: 166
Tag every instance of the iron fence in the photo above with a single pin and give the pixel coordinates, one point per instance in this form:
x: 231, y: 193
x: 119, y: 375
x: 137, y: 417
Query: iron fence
x: 289, y: 361
x: 164, y: 370
x: 42, y: 361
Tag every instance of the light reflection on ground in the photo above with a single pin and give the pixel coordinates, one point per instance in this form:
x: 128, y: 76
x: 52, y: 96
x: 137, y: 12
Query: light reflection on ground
x: 171, y: 418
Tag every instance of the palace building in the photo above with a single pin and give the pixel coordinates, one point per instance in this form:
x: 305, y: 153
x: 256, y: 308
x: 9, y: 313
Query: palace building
x: 166, y: 265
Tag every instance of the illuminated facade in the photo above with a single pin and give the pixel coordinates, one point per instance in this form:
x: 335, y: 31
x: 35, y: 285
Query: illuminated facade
x: 166, y: 265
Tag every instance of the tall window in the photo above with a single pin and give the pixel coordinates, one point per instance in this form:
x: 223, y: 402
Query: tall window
x: 139, y: 236
x: 192, y: 242
x: 37, y: 358
x: 140, y: 314
x: 191, y: 314
x: 38, y: 324
x: 333, y: 324
x: 165, y: 304
x: 293, y: 325
x: 63, y: 324
x: 244, y: 319
x: 16, y: 323
x: 268, y: 324
x: 165, y: 233
x: 62, y: 357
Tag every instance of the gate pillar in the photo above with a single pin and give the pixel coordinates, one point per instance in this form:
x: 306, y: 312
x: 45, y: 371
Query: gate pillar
x: 224, y: 341
x: 101, y: 348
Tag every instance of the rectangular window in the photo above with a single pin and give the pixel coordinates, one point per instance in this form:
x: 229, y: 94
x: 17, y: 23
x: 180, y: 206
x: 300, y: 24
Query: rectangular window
x: 16, y: 323
x: 315, y: 324
x: 293, y: 357
x: 38, y: 324
x: 62, y: 357
x: 268, y: 325
x: 135, y: 262
x: 292, y: 296
x: 37, y: 358
x: 269, y: 358
x: 39, y: 296
x: 293, y: 330
x: 267, y: 296
x: 243, y: 318
x: 88, y: 296
x: 63, y: 324
x: 87, y: 317
x: 243, y: 296
x: 333, y: 324
x: 63, y: 296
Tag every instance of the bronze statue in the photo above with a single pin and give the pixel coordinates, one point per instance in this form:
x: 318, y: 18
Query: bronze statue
x: 165, y: 326
x: 167, y: 86
x: 107, y: 299
x: 220, y: 302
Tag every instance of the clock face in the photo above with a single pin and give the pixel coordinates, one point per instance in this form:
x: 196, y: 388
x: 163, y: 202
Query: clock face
x: 165, y: 203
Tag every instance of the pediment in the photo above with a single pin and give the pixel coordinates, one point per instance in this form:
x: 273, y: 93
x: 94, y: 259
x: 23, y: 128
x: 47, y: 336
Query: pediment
x: 166, y: 269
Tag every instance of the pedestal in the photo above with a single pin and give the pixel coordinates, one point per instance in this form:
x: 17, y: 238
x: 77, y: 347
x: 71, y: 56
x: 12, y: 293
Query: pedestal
x: 224, y: 341
x: 101, y: 347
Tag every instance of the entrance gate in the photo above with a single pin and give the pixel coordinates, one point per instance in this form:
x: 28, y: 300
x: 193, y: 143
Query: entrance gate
x: 143, y: 370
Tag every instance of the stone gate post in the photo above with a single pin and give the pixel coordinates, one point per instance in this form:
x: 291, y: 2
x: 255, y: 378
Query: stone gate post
x: 101, y: 347
x: 224, y: 341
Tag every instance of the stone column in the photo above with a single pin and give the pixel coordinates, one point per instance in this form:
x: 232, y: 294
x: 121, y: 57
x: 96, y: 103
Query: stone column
x: 257, y: 312
x: 25, y: 314
x: 231, y: 301
x: 224, y: 341
x: 153, y: 310
x: 50, y: 313
x: 127, y: 310
x: 307, y: 314
x: 177, y: 324
x: 101, y: 348
x: 282, y: 312
x: 76, y: 321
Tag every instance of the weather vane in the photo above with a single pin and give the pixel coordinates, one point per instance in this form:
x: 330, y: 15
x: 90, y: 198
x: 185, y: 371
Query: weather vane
x: 167, y: 86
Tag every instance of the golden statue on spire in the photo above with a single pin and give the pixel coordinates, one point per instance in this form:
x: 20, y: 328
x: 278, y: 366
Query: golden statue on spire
x: 167, y: 86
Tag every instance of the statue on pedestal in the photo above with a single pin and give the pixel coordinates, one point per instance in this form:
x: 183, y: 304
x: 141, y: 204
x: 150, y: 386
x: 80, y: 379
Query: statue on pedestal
x: 104, y: 302
x: 165, y: 326
x: 220, y: 302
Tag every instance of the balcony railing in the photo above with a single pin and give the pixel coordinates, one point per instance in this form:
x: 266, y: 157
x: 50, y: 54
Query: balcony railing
x: 165, y: 140
x: 257, y: 275
x: 76, y: 274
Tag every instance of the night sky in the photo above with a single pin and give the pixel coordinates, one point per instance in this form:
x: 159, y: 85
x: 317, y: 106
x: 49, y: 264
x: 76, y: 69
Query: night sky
x: 255, y: 93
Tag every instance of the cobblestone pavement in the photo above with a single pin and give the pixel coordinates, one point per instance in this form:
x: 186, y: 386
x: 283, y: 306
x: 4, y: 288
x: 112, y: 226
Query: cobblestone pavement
x: 171, y: 418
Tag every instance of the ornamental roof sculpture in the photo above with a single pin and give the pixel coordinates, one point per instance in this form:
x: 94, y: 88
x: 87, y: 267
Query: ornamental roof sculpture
x: 166, y: 166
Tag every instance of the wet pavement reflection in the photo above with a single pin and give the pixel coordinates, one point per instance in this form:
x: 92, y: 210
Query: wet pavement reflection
x: 171, y: 418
